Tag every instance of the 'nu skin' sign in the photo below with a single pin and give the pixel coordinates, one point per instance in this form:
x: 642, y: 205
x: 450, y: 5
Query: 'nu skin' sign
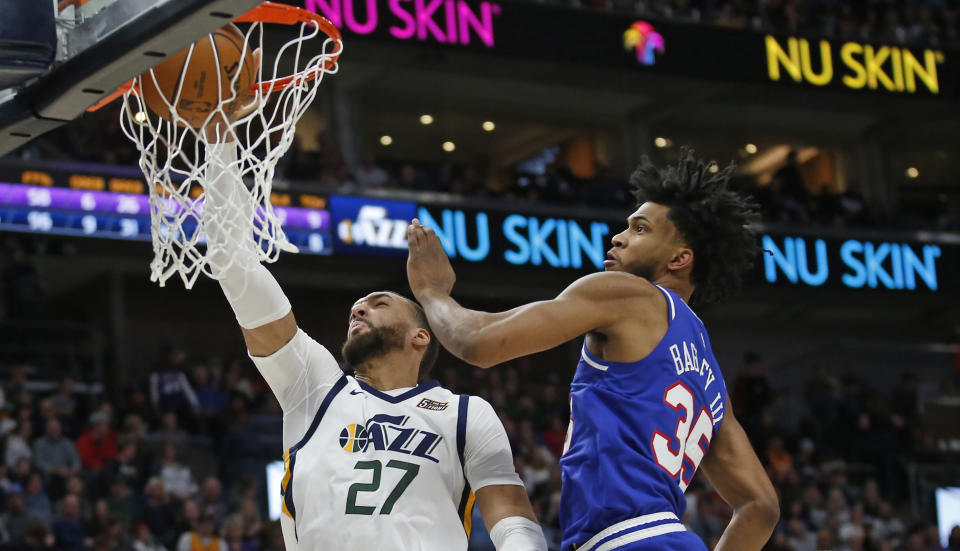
x: 852, y: 263
x: 443, y: 21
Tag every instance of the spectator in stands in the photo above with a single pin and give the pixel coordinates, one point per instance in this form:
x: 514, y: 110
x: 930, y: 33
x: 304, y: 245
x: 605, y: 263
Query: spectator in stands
x: 38, y: 537
x: 160, y: 512
x: 68, y: 531
x: 249, y: 520
x: 799, y: 538
x: 789, y: 184
x: 18, y: 445
x: 36, y: 501
x: 126, y: 466
x: 779, y: 459
x: 233, y: 535
x: 16, y: 519
x: 212, y: 504
x: 176, y: 477
x: 123, y: 504
x: 56, y: 456
x: 98, y: 444
x: 64, y: 402
x: 46, y: 413
x: 170, y: 390
x: 369, y: 175
x: 213, y: 402
x: 143, y: 540
x: 751, y: 393
x: 202, y: 538
x: 169, y: 431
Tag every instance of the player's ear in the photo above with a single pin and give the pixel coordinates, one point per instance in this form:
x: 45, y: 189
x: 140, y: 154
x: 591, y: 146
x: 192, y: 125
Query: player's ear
x: 421, y: 337
x: 682, y: 260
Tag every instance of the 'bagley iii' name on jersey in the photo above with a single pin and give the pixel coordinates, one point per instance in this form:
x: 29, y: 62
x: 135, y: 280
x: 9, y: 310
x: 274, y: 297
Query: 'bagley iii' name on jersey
x: 685, y: 359
x: 389, y: 433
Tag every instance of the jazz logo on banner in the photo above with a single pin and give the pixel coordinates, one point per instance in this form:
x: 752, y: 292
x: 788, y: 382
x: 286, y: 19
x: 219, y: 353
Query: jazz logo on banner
x: 373, y: 228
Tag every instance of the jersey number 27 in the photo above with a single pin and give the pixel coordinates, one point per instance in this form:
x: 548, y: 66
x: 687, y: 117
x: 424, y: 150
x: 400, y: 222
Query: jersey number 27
x: 682, y: 453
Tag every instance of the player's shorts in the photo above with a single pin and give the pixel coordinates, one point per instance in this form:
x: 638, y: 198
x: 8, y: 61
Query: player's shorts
x: 682, y: 540
x: 677, y: 541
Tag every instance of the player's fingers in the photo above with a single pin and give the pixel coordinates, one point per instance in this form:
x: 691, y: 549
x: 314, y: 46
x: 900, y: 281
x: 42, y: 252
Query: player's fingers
x: 413, y: 240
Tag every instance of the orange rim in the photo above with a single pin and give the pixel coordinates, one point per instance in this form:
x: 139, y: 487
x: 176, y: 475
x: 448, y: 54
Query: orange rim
x: 267, y: 12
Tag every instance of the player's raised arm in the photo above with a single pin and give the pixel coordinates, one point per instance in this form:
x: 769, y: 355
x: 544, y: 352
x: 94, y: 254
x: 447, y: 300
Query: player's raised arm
x: 735, y: 471
x: 291, y: 362
x: 592, y: 303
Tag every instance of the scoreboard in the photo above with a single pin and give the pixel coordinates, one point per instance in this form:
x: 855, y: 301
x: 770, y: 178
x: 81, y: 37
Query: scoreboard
x: 76, y: 212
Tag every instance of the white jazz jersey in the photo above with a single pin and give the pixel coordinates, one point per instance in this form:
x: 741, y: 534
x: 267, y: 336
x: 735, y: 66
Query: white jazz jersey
x: 369, y: 470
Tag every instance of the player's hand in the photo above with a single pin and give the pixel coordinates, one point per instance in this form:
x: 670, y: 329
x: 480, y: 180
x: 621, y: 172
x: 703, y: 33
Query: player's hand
x: 217, y: 129
x: 428, y: 268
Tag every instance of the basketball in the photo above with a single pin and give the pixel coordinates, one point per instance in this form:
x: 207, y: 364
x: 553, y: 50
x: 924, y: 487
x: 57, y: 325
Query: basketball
x: 201, y: 93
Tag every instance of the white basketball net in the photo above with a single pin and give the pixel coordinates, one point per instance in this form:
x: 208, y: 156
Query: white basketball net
x: 174, y: 159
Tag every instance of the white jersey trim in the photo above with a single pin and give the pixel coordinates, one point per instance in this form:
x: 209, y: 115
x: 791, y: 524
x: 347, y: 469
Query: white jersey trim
x: 590, y: 362
x: 627, y: 525
x: 673, y: 308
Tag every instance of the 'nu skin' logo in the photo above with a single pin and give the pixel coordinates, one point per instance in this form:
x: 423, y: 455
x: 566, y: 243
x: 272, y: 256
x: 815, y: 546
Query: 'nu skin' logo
x: 644, y: 40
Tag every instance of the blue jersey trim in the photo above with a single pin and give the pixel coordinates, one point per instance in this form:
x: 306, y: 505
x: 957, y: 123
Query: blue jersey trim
x: 462, y: 426
x: 288, y: 492
x: 422, y: 387
x: 461, y: 446
x: 337, y: 387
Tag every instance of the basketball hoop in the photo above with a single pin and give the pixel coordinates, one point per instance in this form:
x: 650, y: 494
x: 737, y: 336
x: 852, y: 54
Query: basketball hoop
x: 176, y: 158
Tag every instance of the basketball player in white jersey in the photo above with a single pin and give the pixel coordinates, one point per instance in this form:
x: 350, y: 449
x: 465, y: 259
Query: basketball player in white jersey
x: 381, y: 460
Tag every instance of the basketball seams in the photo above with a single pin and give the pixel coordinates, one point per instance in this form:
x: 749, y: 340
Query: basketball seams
x: 199, y: 93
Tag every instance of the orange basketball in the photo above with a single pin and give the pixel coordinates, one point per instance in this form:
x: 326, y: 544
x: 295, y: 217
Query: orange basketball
x: 200, y: 93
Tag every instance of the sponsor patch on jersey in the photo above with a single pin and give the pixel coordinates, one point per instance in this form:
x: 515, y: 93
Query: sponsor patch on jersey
x: 433, y: 405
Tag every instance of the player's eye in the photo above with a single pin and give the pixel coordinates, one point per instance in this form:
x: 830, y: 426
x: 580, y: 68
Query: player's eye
x: 640, y: 229
x: 381, y: 303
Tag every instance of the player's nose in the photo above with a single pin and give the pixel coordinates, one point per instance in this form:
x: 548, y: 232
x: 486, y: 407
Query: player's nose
x: 358, y: 311
x: 617, y: 240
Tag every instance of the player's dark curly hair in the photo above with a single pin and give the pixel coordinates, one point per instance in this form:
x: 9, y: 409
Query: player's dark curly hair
x: 712, y: 219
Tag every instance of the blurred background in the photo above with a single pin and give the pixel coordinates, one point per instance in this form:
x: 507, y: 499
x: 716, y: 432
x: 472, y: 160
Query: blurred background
x: 131, y: 416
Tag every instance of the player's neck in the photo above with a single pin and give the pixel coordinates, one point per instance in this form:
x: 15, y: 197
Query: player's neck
x: 682, y: 287
x: 387, y: 373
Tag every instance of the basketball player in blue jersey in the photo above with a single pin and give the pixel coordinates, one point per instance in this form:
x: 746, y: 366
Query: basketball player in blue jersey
x: 648, y: 402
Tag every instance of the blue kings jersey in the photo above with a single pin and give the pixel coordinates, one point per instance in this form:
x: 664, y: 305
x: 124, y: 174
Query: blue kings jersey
x: 638, y: 432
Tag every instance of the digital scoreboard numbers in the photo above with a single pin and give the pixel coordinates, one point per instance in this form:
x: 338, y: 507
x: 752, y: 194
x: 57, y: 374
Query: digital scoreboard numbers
x: 74, y: 223
x: 73, y: 212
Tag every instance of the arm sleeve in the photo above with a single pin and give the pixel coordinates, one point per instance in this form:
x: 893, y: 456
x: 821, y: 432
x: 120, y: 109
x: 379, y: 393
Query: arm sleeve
x: 487, y: 457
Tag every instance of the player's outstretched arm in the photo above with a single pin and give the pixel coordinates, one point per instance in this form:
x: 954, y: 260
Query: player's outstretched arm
x: 294, y: 365
x: 735, y: 471
x: 592, y: 303
x: 261, y: 307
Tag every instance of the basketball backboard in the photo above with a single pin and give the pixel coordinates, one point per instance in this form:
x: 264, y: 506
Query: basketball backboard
x: 100, y: 45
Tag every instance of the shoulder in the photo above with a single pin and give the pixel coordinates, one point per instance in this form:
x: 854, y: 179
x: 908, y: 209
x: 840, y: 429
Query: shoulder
x: 481, y: 413
x: 618, y: 285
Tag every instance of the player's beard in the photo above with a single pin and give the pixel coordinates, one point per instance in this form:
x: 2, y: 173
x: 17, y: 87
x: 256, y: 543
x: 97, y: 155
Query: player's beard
x: 375, y: 343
